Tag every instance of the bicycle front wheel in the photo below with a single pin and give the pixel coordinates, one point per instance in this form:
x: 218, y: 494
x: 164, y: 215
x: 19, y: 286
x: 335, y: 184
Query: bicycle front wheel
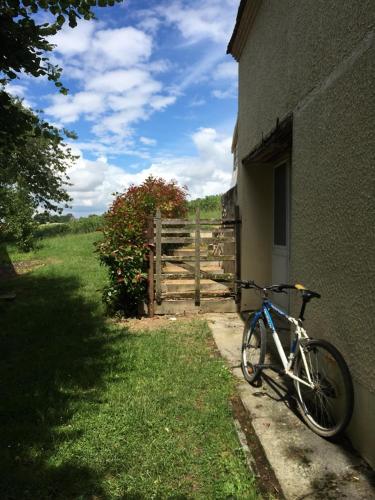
x: 328, y: 406
x: 253, y: 349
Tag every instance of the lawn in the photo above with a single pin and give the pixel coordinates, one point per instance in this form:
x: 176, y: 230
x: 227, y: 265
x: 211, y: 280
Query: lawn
x: 93, y: 409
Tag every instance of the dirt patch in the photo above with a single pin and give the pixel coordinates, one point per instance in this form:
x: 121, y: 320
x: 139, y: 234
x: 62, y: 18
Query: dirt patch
x: 23, y: 267
x: 139, y: 324
x: 267, y: 482
x: 301, y: 455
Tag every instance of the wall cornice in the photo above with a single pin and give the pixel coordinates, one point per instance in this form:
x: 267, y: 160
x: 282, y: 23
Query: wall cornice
x: 246, y: 14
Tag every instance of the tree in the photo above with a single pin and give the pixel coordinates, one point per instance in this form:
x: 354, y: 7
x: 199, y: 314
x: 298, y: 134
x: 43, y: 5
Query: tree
x: 124, y: 246
x: 17, y: 217
x: 24, y: 43
x: 32, y: 173
x: 33, y: 155
x: 37, y: 163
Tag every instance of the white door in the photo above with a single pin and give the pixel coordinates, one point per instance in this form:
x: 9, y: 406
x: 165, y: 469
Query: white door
x: 280, y: 237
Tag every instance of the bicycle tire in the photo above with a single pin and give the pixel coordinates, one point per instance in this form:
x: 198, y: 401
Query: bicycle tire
x: 327, y: 410
x: 254, y: 345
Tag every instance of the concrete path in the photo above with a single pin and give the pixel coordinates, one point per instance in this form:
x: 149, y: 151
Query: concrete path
x: 306, y: 466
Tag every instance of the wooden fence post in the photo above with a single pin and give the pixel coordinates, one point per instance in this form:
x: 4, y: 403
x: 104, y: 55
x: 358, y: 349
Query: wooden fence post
x: 197, y: 258
x: 158, y: 256
x: 151, y: 253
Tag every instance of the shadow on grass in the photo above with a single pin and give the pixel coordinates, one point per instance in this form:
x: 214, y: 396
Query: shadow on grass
x: 6, y: 265
x: 54, y: 354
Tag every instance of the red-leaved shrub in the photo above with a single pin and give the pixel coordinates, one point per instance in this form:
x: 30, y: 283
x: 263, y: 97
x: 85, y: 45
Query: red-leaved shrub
x: 124, y: 248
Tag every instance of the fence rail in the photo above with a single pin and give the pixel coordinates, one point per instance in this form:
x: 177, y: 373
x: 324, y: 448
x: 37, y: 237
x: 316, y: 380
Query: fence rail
x: 209, y: 240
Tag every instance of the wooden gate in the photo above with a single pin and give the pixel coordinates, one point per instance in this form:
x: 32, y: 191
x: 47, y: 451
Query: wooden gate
x: 193, y: 265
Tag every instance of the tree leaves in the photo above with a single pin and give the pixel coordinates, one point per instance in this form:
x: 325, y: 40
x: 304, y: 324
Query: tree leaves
x: 23, y: 41
x: 33, y: 155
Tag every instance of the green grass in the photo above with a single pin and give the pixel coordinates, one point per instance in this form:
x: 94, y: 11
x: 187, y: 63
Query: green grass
x: 90, y: 409
x: 206, y: 214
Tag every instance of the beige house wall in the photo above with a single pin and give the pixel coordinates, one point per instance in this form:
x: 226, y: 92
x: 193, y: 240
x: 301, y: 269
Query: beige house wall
x: 316, y: 59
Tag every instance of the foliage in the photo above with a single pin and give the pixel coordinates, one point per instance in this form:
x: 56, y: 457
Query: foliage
x: 124, y: 248
x: 74, y: 226
x: 210, y: 207
x: 37, y: 162
x: 24, y: 46
x: 33, y: 156
x: 47, y: 217
x: 32, y: 171
x: 24, y: 43
x: 17, y: 218
x: 208, y: 203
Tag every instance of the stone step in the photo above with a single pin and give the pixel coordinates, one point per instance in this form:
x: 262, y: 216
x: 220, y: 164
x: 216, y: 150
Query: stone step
x: 169, y: 267
x: 181, y: 252
x: 209, y: 267
x: 183, y: 306
x: 188, y: 285
x: 212, y: 267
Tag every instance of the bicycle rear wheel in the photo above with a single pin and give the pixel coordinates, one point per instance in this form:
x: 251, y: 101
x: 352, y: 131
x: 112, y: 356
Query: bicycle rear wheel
x: 326, y: 409
x: 253, y: 349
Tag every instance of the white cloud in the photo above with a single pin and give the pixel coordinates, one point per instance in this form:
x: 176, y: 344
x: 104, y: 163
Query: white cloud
x: 160, y: 102
x: 67, y: 109
x: 20, y: 91
x: 147, y: 141
x: 123, y: 47
x: 226, y: 71
x: 230, y: 92
x: 118, y: 123
x: 149, y: 23
x: 210, y: 20
x: 93, y: 185
x: 207, y: 172
x: 115, y: 78
x: 118, y: 81
x: 75, y: 41
x: 110, y: 48
x: 197, y: 101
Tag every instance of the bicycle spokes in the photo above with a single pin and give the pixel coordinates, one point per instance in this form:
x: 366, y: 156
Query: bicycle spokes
x: 322, y: 402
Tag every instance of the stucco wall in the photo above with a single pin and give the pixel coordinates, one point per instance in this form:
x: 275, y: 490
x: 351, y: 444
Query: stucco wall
x: 317, y: 60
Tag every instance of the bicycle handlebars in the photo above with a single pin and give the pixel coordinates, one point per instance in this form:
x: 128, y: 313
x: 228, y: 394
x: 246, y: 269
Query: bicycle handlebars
x: 279, y: 288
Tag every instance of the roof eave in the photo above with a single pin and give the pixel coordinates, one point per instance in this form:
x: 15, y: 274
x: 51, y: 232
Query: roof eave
x: 246, y: 14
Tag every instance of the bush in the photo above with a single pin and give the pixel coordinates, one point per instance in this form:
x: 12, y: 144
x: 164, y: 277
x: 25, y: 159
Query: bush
x: 210, y: 202
x: 210, y: 207
x: 124, y: 248
x: 18, y: 224
x: 83, y: 225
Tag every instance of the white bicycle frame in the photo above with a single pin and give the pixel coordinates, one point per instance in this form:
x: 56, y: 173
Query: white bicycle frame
x: 299, y: 333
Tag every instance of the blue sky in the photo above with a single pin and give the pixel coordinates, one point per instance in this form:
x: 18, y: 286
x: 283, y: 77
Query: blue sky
x: 151, y: 91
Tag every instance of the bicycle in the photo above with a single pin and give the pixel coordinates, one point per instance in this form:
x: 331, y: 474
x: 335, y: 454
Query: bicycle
x: 321, y: 377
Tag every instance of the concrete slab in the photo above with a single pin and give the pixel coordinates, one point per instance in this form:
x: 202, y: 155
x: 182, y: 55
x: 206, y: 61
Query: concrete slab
x: 168, y: 267
x: 188, y: 285
x: 187, y: 306
x: 306, y: 466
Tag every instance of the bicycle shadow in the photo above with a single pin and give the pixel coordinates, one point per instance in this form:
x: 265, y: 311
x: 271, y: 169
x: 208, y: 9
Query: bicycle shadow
x: 280, y: 388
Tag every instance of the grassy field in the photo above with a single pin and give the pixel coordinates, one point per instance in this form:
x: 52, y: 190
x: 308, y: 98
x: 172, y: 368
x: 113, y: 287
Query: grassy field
x: 91, y: 409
